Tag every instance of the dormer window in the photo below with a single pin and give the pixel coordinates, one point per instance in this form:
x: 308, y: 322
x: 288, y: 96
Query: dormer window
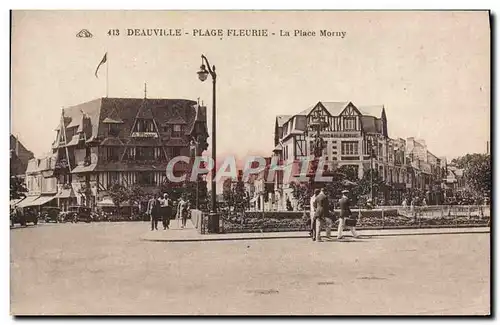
x: 114, y: 126
x: 144, y: 126
x: 114, y: 130
x: 177, y: 131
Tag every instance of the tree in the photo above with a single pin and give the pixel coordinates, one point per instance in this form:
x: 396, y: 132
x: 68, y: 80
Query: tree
x: 119, y: 194
x: 227, y: 192
x: 17, y: 188
x: 136, y: 194
x: 364, y: 187
x: 477, y: 173
x: 301, y: 192
x: 239, y: 195
x: 189, y: 192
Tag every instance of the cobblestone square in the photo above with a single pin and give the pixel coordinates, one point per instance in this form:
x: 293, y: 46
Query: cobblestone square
x: 104, y: 268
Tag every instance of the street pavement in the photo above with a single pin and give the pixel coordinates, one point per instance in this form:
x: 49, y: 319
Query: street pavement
x: 106, y: 268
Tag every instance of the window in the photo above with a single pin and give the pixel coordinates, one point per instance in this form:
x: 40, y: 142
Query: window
x: 350, y: 148
x: 146, y: 178
x: 158, y: 153
x: 114, y: 129
x: 176, y: 151
x: 349, y: 123
x: 112, y: 154
x: 144, y: 126
x: 177, y: 131
x: 113, y: 178
x: 144, y: 153
x: 300, y: 146
x: 70, y: 132
x: 131, y: 153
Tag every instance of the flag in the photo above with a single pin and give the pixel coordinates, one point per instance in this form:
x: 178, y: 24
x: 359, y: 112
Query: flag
x: 104, y: 59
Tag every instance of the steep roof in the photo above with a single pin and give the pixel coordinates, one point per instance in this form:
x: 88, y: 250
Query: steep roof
x: 281, y: 119
x: 163, y: 110
x: 176, y: 120
x: 334, y: 108
x: 371, y: 110
x: 306, y: 111
x: 144, y: 111
x: 91, y: 109
x: 200, y: 120
x: 20, y: 156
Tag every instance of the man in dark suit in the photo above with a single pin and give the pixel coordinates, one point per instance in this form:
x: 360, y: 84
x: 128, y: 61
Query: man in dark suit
x: 154, y: 211
x: 345, y: 212
x: 321, y: 211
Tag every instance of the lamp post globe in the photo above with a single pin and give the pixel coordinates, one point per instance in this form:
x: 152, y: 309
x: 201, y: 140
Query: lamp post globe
x: 203, y: 73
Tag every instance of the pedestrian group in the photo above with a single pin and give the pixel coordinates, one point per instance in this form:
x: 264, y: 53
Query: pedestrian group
x: 321, y: 216
x: 161, y: 208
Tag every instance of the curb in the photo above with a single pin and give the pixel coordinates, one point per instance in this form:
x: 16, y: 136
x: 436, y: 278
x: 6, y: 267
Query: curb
x: 307, y: 237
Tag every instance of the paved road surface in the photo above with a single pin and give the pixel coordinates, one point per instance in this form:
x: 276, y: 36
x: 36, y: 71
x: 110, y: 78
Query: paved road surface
x: 104, y: 268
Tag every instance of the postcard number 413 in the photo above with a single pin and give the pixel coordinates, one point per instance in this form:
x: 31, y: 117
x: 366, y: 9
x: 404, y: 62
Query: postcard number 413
x: 114, y: 32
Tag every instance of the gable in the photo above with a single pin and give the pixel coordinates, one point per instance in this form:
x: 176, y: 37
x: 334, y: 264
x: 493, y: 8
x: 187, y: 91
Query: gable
x: 350, y: 110
x: 321, y: 110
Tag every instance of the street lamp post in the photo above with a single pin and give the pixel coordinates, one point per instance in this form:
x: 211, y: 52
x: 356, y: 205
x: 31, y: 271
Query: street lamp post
x: 372, y: 156
x: 202, y: 75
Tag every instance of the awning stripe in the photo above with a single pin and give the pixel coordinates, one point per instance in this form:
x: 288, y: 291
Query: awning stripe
x: 42, y: 200
x: 27, y: 201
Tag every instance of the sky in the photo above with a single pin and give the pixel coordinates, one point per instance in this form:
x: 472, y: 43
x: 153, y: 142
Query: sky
x: 431, y: 70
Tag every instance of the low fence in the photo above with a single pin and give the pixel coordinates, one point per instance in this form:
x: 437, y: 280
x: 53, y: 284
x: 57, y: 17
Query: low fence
x: 394, y: 217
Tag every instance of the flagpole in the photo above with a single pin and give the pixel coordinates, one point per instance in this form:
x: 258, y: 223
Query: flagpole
x: 107, y: 75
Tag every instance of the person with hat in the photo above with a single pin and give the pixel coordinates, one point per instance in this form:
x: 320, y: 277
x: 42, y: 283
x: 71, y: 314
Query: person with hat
x: 166, y: 211
x: 321, y: 211
x: 345, y: 212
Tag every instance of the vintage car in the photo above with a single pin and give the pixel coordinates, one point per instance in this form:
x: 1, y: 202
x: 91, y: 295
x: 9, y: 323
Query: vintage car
x: 51, y: 214
x: 80, y: 213
x: 23, y: 216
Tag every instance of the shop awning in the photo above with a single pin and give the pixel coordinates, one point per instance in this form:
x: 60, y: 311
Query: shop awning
x: 43, y: 199
x: 15, y: 202
x: 28, y: 201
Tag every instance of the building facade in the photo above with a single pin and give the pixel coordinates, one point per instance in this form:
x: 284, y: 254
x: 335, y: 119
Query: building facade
x: 19, y: 157
x: 122, y: 141
x: 356, y: 136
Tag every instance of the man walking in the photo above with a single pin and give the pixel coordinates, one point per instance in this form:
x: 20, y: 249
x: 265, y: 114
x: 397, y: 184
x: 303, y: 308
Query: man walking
x: 182, y: 211
x: 312, y: 231
x: 321, y: 207
x: 166, y: 211
x: 154, y: 211
x: 345, y: 212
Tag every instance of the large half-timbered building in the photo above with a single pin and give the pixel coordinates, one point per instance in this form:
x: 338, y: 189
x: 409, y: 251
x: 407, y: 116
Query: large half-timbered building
x: 356, y: 136
x: 121, y: 140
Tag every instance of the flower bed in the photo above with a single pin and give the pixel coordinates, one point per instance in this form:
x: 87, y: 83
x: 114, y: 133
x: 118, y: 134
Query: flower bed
x: 370, y: 219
